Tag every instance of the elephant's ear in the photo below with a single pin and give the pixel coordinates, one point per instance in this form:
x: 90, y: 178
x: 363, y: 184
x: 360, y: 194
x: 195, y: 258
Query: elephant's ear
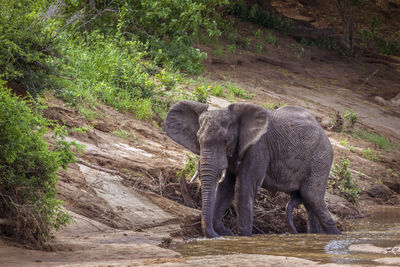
x: 253, y: 123
x: 182, y: 123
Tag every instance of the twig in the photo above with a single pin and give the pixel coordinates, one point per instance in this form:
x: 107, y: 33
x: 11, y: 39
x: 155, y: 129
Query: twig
x: 5, y: 221
x: 93, y: 166
x: 369, y: 77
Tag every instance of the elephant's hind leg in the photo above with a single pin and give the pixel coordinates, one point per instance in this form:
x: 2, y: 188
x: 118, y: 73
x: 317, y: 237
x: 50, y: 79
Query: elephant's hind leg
x: 313, y: 225
x: 294, y: 201
x: 225, y: 195
x: 317, y: 211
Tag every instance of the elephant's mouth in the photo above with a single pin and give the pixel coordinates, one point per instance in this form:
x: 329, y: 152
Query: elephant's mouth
x: 196, y: 176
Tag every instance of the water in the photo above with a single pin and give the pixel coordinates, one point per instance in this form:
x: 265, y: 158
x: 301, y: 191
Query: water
x: 381, y: 229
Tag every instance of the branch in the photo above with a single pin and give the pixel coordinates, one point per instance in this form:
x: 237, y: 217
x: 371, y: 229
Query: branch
x: 5, y: 221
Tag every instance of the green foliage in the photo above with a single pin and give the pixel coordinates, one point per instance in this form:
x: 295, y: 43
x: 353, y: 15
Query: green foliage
x: 257, y: 15
x: 379, y: 140
x: 28, y: 171
x: 270, y: 105
x: 111, y: 70
x: 344, y: 182
x: 124, y: 135
x: 190, y: 167
x: 168, y: 79
x: 371, y: 155
x: 300, y: 53
x: 351, y: 117
x: 271, y: 38
x: 26, y: 44
x: 168, y: 27
x: 201, y: 94
x: 235, y: 91
x: 216, y: 90
x: 325, y: 42
x: 259, y: 47
x: 370, y: 38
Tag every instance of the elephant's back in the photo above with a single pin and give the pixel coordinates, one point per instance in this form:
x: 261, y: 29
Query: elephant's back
x: 298, y: 130
x: 293, y: 117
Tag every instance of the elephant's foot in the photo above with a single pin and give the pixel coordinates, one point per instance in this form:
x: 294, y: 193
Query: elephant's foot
x: 222, y: 230
x: 210, y: 233
x: 333, y: 231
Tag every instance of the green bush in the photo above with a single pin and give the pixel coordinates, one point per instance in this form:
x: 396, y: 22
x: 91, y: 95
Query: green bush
x: 107, y: 69
x: 257, y: 15
x: 28, y: 171
x: 27, y: 45
x: 190, y: 167
x: 168, y: 27
x: 344, y: 182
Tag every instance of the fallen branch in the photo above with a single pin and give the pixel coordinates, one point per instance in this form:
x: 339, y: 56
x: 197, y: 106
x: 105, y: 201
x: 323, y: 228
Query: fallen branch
x: 5, y: 221
x: 369, y: 77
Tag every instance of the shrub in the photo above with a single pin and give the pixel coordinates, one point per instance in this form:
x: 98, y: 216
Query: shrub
x: 168, y: 27
x: 351, y: 117
x: 201, y: 94
x: 257, y: 15
x: 371, y: 155
x: 190, y: 167
x: 28, y: 171
x: 26, y: 44
x: 111, y: 70
x: 235, y: 90
x: 345, y: 183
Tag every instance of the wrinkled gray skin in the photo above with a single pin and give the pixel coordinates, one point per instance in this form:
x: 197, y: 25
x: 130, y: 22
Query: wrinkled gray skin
x: 281, y: 150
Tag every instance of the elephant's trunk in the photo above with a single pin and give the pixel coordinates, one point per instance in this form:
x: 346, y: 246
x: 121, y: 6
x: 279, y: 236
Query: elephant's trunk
x: 208, y: 175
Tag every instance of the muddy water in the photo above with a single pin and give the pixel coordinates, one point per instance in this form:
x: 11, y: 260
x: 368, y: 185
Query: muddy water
x: 381, y: 228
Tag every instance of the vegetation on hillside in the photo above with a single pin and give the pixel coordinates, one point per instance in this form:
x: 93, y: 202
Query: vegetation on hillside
x: 28, y: 169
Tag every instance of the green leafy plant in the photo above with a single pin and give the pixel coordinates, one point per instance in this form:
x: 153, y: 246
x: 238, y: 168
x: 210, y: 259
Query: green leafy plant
x: 216, y: 90
x: 168, y: 79
x: 236, y: 91
x: 258, y: 33
x: 371, y: 155
x: 351, y: 117
x: 300, y: 53
x: 344, y: 181
x: 28, y: 171
x: 201, y: 94
x: 259, y: 47
x: 27, y: 45
x: 270, y: 105
x: 190, y: 167
x: 125, y: 135
x: 271, y: 38
x: 257, y: 15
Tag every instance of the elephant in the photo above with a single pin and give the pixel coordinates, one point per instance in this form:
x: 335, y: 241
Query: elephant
x: 281, y: 150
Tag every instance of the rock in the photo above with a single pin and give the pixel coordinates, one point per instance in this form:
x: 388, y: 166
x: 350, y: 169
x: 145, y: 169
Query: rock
x: 341, y: 207
x: 395, y: 101
x: 366, y: 248
x: 379, y: 191
x: 380, y: 101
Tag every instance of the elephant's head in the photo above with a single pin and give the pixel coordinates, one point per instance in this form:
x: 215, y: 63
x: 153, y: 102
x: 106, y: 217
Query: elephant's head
x: 215, y: 135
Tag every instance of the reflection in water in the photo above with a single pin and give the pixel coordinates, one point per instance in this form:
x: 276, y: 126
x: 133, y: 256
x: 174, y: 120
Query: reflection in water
x: 381, y: 228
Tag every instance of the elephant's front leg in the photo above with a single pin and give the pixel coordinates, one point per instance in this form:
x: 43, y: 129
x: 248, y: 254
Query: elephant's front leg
x: 225, y: 194
x: 250, y: 178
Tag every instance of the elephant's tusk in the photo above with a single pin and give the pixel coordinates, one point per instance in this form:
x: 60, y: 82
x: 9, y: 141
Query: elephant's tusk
x: 222, y: 176
x: 194, y: 177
